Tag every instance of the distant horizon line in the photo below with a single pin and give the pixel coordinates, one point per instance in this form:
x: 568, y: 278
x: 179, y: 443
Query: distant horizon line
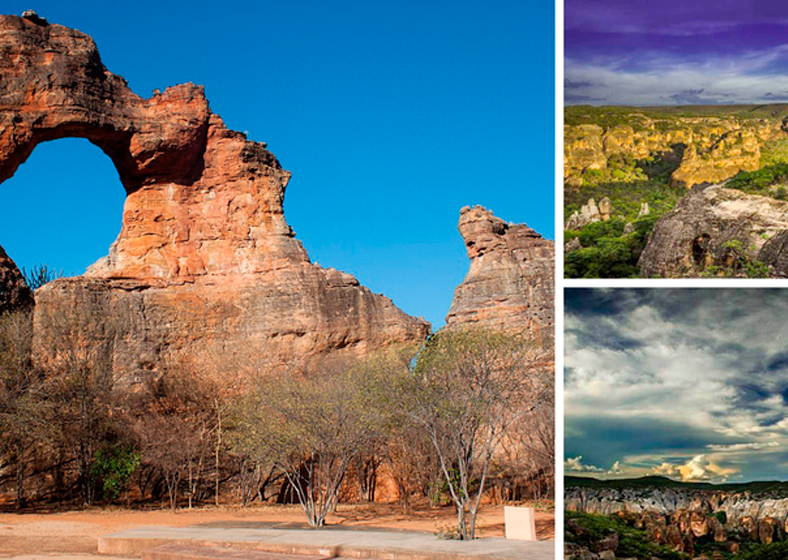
x: 667, y: 478
x: 624, y: 105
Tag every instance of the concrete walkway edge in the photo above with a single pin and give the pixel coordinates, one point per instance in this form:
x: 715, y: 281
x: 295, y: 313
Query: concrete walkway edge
x: 377, y: 545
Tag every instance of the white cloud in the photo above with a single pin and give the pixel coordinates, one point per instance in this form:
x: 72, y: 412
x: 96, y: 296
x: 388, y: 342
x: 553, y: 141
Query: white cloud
x: 699, y: 468
x: 575, y: 464
x: 674, y: 372
x: 665, y: 79
x: 710, y: 366
x: 665, y: 469
x: 744, y: 446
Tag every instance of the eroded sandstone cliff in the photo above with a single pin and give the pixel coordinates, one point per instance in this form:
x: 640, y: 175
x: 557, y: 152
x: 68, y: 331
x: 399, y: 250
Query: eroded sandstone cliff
x: 681, y: 517
x: 702, y: 149
x: 205, y: 262
x: 14, y: 292
x: 510, y: 284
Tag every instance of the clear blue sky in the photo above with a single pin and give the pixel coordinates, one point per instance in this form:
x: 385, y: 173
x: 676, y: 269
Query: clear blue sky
x: 390, y: 115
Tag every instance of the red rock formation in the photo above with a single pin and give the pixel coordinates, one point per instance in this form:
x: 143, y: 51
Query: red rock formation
x: 205, y: 258
x: 510, y: 284
x: 14, y: 293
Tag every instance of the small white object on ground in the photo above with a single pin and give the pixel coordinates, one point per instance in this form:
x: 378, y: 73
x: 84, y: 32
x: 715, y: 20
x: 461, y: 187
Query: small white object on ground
x: 520, y: 524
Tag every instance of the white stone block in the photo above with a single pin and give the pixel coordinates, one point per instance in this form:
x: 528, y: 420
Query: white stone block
x: 520, y: 524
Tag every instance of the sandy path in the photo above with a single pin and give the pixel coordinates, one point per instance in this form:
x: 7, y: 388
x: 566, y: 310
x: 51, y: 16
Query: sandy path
x: 72, y: 535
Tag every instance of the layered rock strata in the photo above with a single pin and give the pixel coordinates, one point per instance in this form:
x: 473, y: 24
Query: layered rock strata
x: 510, y: 284
x: 680, y: 517
x: 714, y: 226
x: 705, y: 149
x: 205, y: 261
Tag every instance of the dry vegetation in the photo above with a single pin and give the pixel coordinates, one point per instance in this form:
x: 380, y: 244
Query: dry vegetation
x: 467, y: 418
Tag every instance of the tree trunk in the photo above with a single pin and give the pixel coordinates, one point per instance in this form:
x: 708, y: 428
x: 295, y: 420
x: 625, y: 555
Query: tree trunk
x: 216, y: 451
x: 461, y: 528
x: 472, y: 524
x: 20, y: 483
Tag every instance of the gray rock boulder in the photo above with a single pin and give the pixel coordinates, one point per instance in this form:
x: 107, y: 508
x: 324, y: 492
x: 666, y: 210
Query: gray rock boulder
x: 714, y: 226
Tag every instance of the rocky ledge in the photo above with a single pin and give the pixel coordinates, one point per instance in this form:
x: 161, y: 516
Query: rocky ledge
x: 14, y: 293
x: 703, y: 149
x: 681, y: 518
x: 510, y: 284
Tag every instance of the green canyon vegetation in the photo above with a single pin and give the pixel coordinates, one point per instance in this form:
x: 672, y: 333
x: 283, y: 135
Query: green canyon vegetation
x: 630, y: 171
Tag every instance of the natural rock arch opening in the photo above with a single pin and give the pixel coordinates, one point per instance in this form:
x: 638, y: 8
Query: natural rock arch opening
x: 62, y: 208
x: 205, y: 264
x: 700, y: 249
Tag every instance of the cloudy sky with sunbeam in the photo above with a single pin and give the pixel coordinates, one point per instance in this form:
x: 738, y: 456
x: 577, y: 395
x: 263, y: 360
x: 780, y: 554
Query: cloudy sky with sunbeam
x: 674, y: 52
x: 686, y: 383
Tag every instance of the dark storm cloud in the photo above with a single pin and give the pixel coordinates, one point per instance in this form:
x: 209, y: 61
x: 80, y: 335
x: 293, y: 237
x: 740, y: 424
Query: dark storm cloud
x: 578, y: 99
x: 676, y: 305
x: 694, y: 378
x: 569, y: 84
x: 759, y: 401
x: 694, y: 97
x: 770, y: 96
x: 605, y: 337
x: 604, y: 440
x: 725, y: 307
x: 763, y: 389
x: 581, y: 301
x: 778, y: 362
x: 676, y: 18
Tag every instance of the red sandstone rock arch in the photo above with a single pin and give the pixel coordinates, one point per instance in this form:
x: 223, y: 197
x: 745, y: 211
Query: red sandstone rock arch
x: 171, y: 154
x: 205, y: 257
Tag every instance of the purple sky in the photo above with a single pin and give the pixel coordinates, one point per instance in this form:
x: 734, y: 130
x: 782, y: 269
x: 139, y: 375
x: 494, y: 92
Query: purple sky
x: 641, y: 52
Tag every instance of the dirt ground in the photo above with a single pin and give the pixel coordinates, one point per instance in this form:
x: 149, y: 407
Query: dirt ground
x: 72, y: 535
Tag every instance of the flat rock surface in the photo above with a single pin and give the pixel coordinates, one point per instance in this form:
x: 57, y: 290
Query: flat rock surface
x: 192, y: 552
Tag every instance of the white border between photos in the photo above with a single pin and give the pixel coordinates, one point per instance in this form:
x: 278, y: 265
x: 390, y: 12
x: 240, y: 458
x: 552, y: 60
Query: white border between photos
x: 561, y: 283
x: 559, y: 279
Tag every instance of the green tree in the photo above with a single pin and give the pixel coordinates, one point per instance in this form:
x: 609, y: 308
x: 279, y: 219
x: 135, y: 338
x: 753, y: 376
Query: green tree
x: 310, y: 426
x: 113, y: 467
x: 466, y: 390
x: 40, y: 275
